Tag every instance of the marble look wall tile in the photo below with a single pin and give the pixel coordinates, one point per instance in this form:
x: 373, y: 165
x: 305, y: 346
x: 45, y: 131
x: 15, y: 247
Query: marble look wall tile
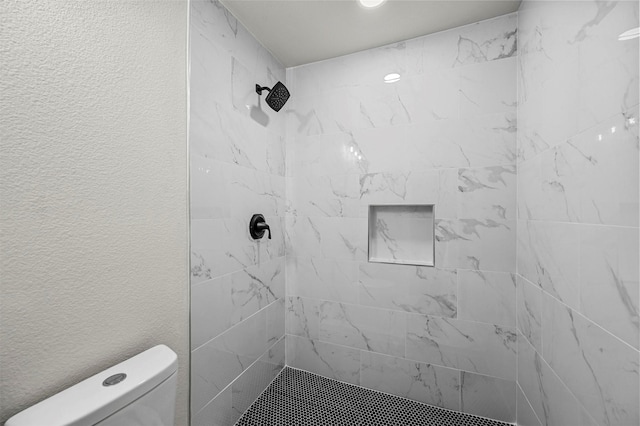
x: 216, y: 364
x: 409, y: 186
x: 447, y: 243
x: 488, y: 88
x: 488, y: 40
x: 479, y: 244
x: 362, y: 327
x: 303, y: 316
x: 218, y: 412
x: 552, y: 402
x: 325, y: 155
x: 333, y: 361
x: 605, y: 175
x: 609, y: 278
x: 488, y: 192
x: 408, y: 288
x: 549, y: 256
x: 256, y: 287
x: 223, y: 30
x: 221, y: 246
x: 276, y: 321
x: 332, y: 111
x: 255, y: 379
x: 431, y: 99
x: 383, y: 149
x: 529, y: 308
x: 470, y: 346
x: 600, y: 370
x: 252, y: 192
x: 220, y: 303
x: 604, y: 58
x: 480, y: 141
x: 328, y: 195
x: 525, y: 414
x: 382, y: 105
x: 330, y: 238
x: 209, y: 194
x: 590, y: 178
x: 487, y: 297
x: 208, y: 73
x: 322, y: 279
x: 209, y: 317
x: 488, y: 397
x: 409, y: 379
x: 276, y: 155
x: 479, y: 42
x: 547, y: 70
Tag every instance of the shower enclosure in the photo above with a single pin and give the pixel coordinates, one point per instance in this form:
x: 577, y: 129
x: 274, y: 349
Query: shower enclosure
x: 521, y: 131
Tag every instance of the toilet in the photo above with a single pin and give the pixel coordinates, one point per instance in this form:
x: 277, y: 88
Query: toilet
x: 140, y: 391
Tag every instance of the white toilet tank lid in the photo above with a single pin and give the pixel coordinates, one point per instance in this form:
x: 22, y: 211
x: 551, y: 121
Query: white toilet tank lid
x: 93, y: 399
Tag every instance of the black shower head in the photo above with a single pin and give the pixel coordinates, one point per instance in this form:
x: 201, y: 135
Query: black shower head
x: 277, y: 97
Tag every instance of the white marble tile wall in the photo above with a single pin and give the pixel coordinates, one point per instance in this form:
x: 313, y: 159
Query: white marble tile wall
x: 445, y: 134
x: 578, y: 256
x: 238, y: 167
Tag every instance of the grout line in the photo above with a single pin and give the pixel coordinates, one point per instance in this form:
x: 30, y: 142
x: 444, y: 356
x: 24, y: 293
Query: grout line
x: 238, y: 324
x: 527, y: 400
x: 564, y: 222
x: 240, y: 375
x: 544, y: 292
x: 444, y: 367
x: 566, y: 387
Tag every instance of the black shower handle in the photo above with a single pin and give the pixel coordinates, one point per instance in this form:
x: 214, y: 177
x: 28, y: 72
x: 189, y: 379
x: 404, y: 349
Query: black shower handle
x: 258, y: 226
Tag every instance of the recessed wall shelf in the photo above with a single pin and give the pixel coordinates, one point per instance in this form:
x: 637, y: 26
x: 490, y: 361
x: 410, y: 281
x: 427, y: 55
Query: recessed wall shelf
x: 402, y: 234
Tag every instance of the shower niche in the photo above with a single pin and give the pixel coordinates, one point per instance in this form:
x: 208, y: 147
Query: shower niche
x: 402, y: 234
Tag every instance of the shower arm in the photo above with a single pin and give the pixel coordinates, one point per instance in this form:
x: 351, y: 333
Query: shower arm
x: 260, y: 89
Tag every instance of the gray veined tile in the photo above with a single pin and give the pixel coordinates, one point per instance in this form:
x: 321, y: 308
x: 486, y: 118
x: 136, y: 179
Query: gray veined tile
x: 488, y: 396
x: 326, y: 279
x: 218, y: 412
x: 326, y: 195
x: 549, y: 398
x: 275, y: 321
x: 210, y: 310
x: 382, y: 105
x: 530, y: 312
x: 333, y: 361
x: 408, y: 288
x: 362, y: 327
x: 549, y: 256
x: 488, y: 88
x: 486, y: 244
x: 600, y: 370
x: 410, y: 379
x: 488, y: 192
x: 488, y: 40
x: 470, y: 346
x: 302, y: 317
x: 609, y: 296
x: 221, y: 360
x: 248, y: 386
x: 525, y: 414
x: 488, y: 297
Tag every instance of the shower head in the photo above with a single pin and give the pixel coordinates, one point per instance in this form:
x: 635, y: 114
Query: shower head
x: 277, y: 97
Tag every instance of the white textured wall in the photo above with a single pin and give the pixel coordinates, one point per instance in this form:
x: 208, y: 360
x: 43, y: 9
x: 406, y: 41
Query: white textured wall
x: 93, y: 186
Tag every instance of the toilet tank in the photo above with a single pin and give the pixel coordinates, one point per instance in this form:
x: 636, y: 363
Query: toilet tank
x: 140, y: 391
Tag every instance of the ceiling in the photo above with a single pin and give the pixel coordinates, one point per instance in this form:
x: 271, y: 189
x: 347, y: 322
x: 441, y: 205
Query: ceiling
x: 302, y: 31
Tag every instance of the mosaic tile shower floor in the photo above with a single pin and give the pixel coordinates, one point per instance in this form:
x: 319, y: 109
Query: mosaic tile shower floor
x: 297, y: 397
